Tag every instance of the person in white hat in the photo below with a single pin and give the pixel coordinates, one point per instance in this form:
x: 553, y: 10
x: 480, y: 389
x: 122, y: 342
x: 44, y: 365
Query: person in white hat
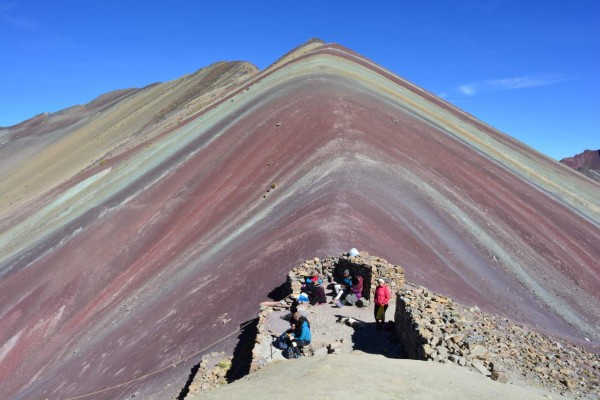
x: 382, y: 298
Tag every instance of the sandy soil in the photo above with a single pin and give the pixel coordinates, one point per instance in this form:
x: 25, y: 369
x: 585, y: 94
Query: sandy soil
x: 359, y: 375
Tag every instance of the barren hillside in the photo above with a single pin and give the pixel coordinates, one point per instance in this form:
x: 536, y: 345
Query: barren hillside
x: 131, y: 224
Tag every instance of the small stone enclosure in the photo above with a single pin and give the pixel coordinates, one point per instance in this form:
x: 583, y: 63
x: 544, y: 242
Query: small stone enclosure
x: 432, y: 327
x: 332, y: 268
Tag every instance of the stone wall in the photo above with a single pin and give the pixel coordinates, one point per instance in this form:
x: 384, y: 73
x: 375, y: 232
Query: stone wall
x: 370, y: 267
x: 435, y: 328
x: 331, y: 268
x: 432, y: 327
x: 263, y: 339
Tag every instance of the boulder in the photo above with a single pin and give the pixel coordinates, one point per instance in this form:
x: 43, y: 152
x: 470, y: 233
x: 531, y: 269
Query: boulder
x: 480, y: 352
x: 480, y: 367
x: 499, y: 376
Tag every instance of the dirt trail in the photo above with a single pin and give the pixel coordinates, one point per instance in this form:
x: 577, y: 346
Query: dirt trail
x: 361, y: 352
x: 326, y: 330
x: 358, y: 375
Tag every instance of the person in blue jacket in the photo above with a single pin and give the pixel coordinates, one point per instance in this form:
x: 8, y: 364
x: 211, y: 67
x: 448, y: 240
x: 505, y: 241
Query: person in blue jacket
x: 343, y: 288
x: 301, y: 335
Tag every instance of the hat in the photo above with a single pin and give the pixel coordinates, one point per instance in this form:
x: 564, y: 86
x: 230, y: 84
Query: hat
x: 353, y: 252
x: 381, y: 280
x: 346, y: 272
x: 303, y: 297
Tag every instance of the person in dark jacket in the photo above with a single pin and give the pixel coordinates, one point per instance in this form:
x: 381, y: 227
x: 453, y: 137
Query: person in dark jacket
x: 317, y: 295
x: 311, y: 283
x: 355, y: 291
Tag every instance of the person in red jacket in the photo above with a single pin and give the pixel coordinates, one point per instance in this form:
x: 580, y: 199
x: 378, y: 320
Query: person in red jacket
x: 382, y: 298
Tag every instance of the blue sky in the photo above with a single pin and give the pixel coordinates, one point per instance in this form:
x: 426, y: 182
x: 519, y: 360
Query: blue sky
x: 530, y: 68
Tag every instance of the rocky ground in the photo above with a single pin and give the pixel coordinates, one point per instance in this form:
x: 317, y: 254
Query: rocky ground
x: 434, y: 327
x: 487, y: 345
x: 362, y: 361
x: 422, y: 325
x: 332, y: 333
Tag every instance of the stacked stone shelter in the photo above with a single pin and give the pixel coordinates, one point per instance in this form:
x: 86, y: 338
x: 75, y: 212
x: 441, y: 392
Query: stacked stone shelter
x: 432, y: 327
x: 331, y: 269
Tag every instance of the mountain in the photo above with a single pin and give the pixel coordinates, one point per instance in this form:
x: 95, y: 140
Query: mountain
x: 588, y: 163
x: 131, y: 225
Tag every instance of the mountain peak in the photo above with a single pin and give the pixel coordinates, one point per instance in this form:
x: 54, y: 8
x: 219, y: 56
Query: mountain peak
x: 129, y: 228
x: 588, y: 163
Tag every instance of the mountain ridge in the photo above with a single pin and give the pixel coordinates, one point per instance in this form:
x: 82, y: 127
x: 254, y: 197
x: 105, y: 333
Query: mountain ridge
x: 143, y: 233
x: 587, y: 162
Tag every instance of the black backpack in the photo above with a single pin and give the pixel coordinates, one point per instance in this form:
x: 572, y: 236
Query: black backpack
x: 291, y: 353
x: 282, y: 342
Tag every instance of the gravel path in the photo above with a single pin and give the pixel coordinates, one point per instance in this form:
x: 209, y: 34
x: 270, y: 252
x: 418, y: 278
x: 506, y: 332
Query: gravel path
x: 326, y: 330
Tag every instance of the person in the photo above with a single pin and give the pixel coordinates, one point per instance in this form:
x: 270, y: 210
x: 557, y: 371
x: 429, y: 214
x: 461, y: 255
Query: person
x: 343, y: 287
x: 357, y: 287
x: 284, y: 341
x: 311, y: 282
x: 382, y: 298
x: 294, y: 307
x: 355, y: 290
x: 317, y: 295
x: 314, y: 277
x: 300, y: 335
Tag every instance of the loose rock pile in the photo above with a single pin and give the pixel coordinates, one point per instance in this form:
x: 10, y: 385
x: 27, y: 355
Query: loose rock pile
x: 211, y: 373
x: 435, y: 328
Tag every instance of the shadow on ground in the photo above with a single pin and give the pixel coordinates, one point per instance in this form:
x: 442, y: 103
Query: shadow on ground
x: 242, y: 354
x: 186, y: 388
x: 280, y: 292
x: 368, y: 339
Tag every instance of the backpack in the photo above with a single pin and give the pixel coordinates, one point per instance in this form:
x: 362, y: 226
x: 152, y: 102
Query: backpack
x: 351, y: 299
x: 281, y: 342
x: 291, y: 353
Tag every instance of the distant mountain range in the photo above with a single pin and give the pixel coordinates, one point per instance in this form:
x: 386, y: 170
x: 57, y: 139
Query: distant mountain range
x: 130, y: 226
x: 588, y: 163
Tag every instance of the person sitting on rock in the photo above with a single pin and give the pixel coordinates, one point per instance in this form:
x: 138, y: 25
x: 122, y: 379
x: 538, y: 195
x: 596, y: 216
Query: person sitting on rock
x: 311, y: 282
x: 314, y: 277
x: 382, y: 298
x: 317, y: 295
x: 358, y: 287
x: 355, y: 290
x: 300, y: 336
x: 343, y: 288
x: 284, y: 341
